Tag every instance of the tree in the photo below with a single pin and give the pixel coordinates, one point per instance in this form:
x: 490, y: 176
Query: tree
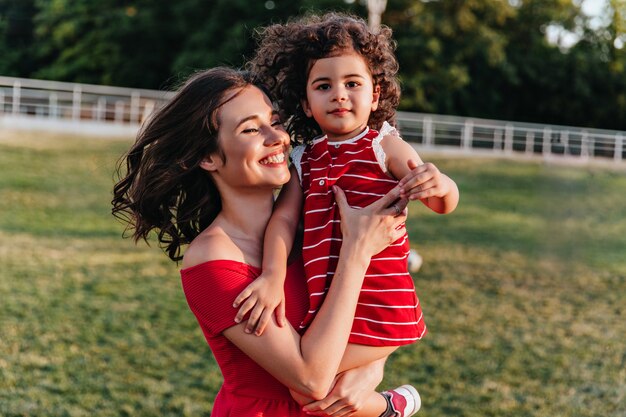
x: 483, y: 58
x: 224, y: 34
x: 444, y: 47
x: 16, y: 37
x: 489, y: 58
x: 106, y: 42
x: 143, y: 43
x: 375, y: 9
x: 572, y: 86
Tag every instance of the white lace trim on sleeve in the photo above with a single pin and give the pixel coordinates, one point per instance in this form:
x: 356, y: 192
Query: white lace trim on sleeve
x: 385, y: 130
x: 296, y: 158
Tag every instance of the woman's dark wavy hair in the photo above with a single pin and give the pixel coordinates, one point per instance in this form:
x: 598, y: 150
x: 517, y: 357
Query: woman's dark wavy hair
x: 163, y: 187
x: 287, y: 51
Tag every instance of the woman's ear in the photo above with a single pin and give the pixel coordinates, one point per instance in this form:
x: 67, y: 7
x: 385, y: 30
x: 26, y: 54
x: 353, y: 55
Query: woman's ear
x: 375, y: 97
x: 211, y: 163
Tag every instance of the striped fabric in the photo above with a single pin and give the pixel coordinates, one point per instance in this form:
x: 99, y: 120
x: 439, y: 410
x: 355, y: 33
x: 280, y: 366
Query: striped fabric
x: 388, y: 312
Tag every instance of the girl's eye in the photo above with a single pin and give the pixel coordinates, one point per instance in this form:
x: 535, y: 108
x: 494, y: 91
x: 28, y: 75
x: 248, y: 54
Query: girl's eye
x: 323, y: 87
x: 277, y: 122
x: 352, y: 84
x: 250, y: 130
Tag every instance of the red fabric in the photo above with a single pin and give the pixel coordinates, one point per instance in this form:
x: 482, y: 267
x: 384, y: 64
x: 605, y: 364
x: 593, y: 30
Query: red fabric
x: 388, y: 312
x: 248, y: 390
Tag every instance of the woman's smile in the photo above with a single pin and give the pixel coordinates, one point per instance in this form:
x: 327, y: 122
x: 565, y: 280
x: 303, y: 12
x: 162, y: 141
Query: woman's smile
x: 253, y: 139
x: 277, y: 158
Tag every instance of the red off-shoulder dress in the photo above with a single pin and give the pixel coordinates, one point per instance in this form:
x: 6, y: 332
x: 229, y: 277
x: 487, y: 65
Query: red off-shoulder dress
x: 248, y: 390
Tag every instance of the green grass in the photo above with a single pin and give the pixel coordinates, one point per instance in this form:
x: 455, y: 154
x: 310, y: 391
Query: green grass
x: 523, y: 288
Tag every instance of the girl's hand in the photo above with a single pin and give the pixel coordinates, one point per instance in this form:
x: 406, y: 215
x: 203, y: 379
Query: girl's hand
x: 349, y: 392
x: 426, y: 183
x: 423, y: 181
x: 374, y: 227
x: 264, y: 296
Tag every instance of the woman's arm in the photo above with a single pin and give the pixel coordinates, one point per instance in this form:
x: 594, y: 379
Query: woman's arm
x: 351, y: 390
x: 308, y: 365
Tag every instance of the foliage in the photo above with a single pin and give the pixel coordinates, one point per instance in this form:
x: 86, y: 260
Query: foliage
x: 106, y: 42
x: 440, y: 44
x: 481, y: 58
x: 224, y: 34
x: 564, y: 84
x: 16, y: 37
x: 523, y: 289
x: 491, y: 59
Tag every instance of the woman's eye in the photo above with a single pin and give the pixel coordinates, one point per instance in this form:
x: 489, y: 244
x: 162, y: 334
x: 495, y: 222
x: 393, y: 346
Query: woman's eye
x: 250, y: 130
x: 277, y: 123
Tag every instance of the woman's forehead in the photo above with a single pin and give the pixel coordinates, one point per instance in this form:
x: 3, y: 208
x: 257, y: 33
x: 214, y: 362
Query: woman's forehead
x: 244, y: 103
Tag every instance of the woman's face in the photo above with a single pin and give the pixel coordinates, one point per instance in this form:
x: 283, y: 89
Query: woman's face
x: 253, y: 142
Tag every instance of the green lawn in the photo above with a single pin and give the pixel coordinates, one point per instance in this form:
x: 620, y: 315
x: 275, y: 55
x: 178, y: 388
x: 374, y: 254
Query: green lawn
x: 523, y: 288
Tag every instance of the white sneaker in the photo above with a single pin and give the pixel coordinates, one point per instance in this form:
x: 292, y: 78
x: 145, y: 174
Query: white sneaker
x: 405, y: 400
x: 414, y: 261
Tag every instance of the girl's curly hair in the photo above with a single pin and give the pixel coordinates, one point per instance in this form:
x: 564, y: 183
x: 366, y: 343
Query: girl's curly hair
x: 287, y: 51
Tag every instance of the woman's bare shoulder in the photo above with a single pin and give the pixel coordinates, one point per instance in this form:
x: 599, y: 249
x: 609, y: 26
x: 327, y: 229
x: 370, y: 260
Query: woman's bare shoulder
x: 210, y: 245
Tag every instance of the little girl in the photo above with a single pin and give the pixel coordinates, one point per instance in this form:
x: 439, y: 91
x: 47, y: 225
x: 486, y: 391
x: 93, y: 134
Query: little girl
x: 335, y: 83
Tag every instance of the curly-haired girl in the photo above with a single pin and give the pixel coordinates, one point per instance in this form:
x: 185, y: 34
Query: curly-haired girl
x: 335, y: 83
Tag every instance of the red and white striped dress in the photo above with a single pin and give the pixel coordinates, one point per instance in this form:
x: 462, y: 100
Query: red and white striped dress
x: 388, y: 312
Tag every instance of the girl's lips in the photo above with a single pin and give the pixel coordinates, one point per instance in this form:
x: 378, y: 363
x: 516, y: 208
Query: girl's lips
x: 339, y: 111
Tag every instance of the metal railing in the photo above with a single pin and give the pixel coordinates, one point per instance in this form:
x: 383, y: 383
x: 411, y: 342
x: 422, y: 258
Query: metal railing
x: 60, y: 105
x: 472, y: 135
x: 95, y: 109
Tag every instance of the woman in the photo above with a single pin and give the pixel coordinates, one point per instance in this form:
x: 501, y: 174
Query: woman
x: 202, y: 172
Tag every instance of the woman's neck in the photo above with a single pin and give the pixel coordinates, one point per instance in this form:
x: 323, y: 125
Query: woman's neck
x: 245, y: 215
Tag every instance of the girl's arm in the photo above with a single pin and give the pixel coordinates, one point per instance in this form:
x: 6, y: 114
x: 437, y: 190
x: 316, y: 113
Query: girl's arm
x: 265, y: 294
x: 419, y: 180
x: 308, y: 364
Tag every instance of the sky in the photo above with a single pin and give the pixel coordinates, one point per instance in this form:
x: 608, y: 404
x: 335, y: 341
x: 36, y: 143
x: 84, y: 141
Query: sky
x: 593, y: 7
x: 566, y: 39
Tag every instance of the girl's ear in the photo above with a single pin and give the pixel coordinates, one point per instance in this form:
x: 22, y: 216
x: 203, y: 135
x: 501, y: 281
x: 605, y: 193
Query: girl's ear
x: 211, y: 163
x: 306, y: 108
x: 375, y: 97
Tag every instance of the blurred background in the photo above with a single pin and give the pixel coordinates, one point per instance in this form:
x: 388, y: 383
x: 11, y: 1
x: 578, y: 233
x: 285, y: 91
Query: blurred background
x: 546, y: 61
x: 523, y: 287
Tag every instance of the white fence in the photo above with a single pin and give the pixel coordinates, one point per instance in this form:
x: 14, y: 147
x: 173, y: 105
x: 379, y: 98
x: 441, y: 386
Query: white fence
x: 482, y: 136
x: 78, y: 108
x: 107, y: 111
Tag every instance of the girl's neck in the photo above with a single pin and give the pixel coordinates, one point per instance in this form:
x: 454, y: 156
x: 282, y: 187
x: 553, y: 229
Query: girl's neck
x: 353, y: 136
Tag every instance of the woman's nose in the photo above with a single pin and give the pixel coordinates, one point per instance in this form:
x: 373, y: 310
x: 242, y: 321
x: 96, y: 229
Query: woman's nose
x: 276, y: 137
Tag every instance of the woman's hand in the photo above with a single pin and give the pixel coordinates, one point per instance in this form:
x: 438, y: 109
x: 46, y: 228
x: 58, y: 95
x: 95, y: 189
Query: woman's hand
x: 349, y: 392
x: 374, y: 227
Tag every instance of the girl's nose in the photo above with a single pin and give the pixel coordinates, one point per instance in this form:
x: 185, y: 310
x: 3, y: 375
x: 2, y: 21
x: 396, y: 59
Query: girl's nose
x: 340, y: 94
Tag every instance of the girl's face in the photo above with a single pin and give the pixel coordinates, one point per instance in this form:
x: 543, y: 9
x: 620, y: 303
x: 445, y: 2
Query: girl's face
x: 340, y: 95
x: 252, y: 141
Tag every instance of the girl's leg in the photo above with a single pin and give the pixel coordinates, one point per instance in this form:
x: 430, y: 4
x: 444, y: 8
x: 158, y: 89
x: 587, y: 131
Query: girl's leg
x: 402, y: 402
x: 359, y: 355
